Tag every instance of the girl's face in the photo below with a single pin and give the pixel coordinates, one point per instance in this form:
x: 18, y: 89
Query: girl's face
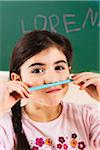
x: 46, y: 67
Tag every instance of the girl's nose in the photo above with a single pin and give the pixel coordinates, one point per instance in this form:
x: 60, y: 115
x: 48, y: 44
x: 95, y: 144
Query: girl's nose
x: 50, y: 78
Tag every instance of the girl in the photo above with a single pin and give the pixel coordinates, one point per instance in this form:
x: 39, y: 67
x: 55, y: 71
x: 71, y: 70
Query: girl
x: 45, y: 122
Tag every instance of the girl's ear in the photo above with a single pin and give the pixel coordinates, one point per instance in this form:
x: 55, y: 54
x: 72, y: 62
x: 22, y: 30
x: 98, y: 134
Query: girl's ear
x: 70, y: 68
x: 15, y: 77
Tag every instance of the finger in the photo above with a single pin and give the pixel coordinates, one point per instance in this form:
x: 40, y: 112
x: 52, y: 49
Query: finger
x: 25, y: 85
x: 25, y: 92
x: 28, y: 84
x: 19, y: 90
x: 84, y: 79
x: 18, y: 84
x: 92, y: 81
x: 85, y: 74
x: 18, y: 94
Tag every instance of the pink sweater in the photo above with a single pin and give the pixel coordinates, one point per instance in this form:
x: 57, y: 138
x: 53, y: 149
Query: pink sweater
x: 77, y: 128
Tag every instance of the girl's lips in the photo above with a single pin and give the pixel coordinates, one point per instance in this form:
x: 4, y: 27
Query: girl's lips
x: 53, y: 90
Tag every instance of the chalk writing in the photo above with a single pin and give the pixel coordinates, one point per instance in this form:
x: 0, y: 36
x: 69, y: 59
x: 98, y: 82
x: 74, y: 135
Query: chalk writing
x: 70, y: 21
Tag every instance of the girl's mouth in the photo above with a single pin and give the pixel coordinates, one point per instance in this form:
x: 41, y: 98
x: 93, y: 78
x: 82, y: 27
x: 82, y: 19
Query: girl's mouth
x: 52, y: 90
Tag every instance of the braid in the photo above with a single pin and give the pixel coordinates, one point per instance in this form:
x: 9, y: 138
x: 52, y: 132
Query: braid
x: 22, y: 143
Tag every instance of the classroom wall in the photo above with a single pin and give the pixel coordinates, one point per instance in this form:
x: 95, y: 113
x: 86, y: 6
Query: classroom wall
x: 77, y: 20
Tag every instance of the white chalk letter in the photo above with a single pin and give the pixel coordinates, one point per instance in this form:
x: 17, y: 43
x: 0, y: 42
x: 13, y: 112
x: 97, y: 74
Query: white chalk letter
x: 69, y: 23
x: 44, y: 21
x: 23, y: 27
x: 53, y: 25
x: 92, y: 16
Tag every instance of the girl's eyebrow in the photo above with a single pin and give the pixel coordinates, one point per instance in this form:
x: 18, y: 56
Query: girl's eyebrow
x: 60, y: 61
x: 42, y: 64
x: 36, y: 64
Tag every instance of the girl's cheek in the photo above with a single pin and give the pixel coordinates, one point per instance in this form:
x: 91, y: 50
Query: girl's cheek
x: 36, y: 82
x: 65, y: 76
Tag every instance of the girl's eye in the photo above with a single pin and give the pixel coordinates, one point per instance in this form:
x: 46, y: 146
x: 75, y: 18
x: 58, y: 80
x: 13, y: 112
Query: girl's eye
x: 59, y: 68
x: 37, y: 71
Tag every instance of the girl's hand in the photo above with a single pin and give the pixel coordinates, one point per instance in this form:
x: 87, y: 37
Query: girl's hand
x: 11, y: 92
x: 90, y: 82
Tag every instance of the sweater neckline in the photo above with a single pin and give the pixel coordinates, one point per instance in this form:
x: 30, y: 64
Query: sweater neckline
x: 25, y: 116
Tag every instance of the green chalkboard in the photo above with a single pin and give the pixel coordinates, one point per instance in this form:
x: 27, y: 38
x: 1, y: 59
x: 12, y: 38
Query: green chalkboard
x: 77, y: 20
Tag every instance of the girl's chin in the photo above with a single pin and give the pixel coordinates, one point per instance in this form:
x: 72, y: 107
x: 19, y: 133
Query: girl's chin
x: 51, y: 103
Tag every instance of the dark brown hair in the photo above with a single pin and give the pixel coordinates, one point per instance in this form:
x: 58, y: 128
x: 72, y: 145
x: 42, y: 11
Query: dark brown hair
x: 29, y: 45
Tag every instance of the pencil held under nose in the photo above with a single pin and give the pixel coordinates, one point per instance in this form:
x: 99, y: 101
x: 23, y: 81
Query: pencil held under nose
x: 50, y: 85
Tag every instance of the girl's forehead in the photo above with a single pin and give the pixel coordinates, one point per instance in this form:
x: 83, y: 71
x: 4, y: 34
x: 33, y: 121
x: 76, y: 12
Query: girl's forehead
x: 49, y: 54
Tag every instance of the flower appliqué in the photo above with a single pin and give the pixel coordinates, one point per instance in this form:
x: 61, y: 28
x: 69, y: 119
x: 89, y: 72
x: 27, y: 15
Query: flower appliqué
x: 81, y: 145
x: 39, y: 142
x: 62, y: 143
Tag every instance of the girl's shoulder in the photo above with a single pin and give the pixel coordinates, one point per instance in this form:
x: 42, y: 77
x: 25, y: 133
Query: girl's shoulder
x: 81, y: 109
x: 7, y: 135
x: 6, y: 119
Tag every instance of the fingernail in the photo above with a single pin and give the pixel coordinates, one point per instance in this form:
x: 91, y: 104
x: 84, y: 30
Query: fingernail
x: 29, y: 91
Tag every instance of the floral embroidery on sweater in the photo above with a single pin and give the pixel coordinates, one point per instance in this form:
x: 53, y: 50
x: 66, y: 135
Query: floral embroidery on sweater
x: 63, y: 143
